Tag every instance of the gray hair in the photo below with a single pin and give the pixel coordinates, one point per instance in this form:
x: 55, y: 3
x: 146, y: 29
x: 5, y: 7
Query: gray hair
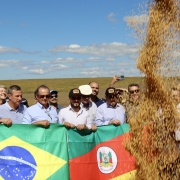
x: 13, y: 87
x: 2, y: 86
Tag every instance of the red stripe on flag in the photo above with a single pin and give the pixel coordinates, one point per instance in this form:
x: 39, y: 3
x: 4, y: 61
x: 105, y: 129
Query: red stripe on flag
x: 85, y: 167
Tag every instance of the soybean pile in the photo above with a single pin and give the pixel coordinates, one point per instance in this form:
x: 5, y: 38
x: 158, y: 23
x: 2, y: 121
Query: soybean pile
x: 152, y: 140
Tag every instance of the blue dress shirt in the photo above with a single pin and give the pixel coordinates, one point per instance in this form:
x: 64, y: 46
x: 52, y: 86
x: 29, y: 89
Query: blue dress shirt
x: 15, y: 115
x: 106, y: 113
x: 37, y: 112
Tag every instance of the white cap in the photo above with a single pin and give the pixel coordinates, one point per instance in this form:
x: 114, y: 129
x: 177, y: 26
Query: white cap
x: 85, y: 89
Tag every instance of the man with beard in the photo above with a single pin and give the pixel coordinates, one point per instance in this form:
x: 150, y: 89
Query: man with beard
x: 110, y: 112
x: 12, y: 111
x: 132, y: 105
x: 74, y: 115
x: 95, y: 91
x: 41, y: 113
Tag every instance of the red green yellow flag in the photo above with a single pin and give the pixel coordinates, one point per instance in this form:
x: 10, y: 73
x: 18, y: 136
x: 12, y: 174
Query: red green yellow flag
x: 100, y: 155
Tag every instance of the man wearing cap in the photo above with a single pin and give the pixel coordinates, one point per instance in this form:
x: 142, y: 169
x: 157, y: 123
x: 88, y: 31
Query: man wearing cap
x: 110, y: 112
x: 89, y: 106
x: 41, y: 113
x: 53, y: 101
x: 95, y: 90
x: 74, y: 115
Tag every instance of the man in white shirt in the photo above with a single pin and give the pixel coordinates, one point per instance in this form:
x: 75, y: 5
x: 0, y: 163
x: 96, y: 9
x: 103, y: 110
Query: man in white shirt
x: 74, y: 115
x: 89, y: 106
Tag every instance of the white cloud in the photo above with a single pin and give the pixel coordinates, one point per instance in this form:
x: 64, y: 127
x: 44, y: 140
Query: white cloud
x: 104, y: 49
x: 112, y: 17
x: 37, y: 71
x: 9, y: 50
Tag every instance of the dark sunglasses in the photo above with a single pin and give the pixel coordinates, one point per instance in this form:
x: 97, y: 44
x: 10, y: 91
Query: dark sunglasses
x: 44, y: 96
x: 54, y: 96
x: 135, y: 91
x: 111, y: 96
x: 75, y: 98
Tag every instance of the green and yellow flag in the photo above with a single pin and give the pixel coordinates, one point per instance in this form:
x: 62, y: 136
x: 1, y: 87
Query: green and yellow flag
x: 30, y: 152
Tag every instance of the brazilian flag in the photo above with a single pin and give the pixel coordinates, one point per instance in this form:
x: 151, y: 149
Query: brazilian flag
x: 100, y: 155
x: 31, y: 152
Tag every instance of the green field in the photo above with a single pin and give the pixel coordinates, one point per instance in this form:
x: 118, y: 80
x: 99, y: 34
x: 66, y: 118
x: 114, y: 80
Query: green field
x: 63, y: 86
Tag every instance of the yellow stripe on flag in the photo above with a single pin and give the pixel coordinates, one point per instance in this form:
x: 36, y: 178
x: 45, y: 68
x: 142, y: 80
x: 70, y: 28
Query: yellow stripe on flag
x: 128, y: 176
x: 47, y: 163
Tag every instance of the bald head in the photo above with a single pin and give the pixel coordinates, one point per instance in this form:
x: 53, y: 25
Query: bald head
x: 94, y: 87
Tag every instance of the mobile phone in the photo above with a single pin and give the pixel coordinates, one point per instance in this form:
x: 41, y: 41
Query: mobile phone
x: 121, y: 77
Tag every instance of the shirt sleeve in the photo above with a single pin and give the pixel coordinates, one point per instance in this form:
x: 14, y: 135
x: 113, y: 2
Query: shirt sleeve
x: 60, y: 116
x: 89, y: 121
x: 26, y: 118
x: 99, y: 121
x: 122, y: 116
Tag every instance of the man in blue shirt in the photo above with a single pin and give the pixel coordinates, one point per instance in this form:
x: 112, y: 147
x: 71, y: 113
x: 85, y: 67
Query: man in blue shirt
x: 12, y: 111
x: 110, y: 112
x: 41, y: 113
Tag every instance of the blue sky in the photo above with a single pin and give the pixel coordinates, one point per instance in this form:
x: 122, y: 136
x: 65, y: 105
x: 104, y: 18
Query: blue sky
x: 67, y: 38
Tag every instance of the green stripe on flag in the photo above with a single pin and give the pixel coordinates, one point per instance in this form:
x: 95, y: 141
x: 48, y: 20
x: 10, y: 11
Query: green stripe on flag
x: 88, y: 140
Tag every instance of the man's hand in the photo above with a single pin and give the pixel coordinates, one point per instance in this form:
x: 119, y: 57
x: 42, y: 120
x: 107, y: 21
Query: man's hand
x: 6, y: 121
x: 115, y: 122
x: 81, y: 127
x: 69, y: 125
x: 93, y: 127
x: 43, y: 123
x: 114, y: 80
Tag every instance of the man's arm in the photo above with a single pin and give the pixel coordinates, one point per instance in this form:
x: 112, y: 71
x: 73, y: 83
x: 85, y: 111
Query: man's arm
x: 6, y: 121
x: 44, y: 123
x: 114, y: 80
x: 99, y: 121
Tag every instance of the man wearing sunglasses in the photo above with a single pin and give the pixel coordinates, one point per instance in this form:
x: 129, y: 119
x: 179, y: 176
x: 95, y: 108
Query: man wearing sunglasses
x: 41, y: 113
x: 89, y: 106
x: 53, y: 101
x: 74, y: 115
x: 132, y: 105
x: 110, y: 112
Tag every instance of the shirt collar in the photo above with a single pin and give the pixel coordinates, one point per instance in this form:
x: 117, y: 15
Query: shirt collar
x: 11, y: 109
x: 42, y: 107
x: 71, y: 109
x: 109, y: 106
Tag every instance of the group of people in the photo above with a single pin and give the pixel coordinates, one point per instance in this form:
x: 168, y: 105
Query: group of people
x: 85, y: 111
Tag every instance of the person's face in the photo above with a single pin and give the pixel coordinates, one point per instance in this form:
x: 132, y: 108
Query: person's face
x: 111, y: 100
x: 134, y: 92
x: 53, y: 98
x: 43, y: 96
x: 175, y: 95
x: 119, y: 93
x: 75, y: 100
x: 85, y: 99
x: 95, y: 88
x: 15, y: 98
x: 3, y: 93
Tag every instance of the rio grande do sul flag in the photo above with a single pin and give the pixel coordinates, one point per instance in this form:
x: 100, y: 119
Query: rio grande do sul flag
x: 30, y: 152
x: 100, y: 155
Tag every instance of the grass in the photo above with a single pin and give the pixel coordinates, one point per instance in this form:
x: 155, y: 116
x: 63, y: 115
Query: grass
x: 63, y: 86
